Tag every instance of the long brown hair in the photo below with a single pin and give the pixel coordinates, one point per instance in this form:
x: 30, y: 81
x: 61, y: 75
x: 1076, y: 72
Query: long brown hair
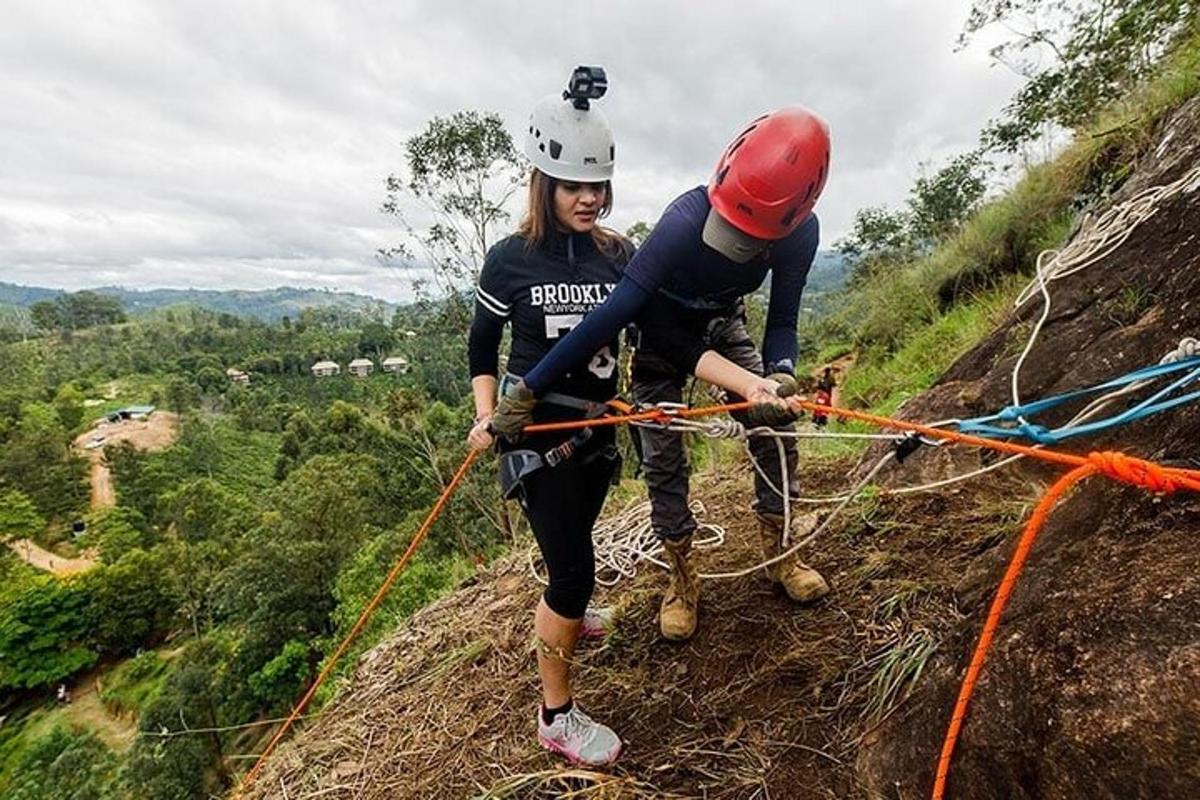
x: 539, y: 216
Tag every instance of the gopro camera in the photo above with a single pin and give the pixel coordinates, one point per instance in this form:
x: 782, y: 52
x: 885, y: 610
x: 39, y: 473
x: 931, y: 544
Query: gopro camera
x: 586, y: 84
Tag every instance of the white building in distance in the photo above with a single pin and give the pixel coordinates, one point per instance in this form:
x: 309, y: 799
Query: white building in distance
x: 361, y: 367
x: 325, y: 369
x: 396, y: 364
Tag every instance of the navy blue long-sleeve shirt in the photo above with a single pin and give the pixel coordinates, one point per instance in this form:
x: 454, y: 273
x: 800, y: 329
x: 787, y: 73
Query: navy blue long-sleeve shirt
x: 676, y: 266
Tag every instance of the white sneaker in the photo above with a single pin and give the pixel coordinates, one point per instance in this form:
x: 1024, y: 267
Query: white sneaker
x: 598, y: 622
x: 580, y: 739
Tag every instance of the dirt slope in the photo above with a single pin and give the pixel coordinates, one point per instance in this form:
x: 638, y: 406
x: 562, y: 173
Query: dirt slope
x: 156, y: 433
x: 35, y: 556
x: 1092, y: 689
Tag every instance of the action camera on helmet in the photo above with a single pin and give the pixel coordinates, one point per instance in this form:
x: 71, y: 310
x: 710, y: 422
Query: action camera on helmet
x: 586, y: 84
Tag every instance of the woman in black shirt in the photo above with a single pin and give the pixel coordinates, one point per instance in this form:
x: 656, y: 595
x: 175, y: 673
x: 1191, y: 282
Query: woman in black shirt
x: 542, y: 280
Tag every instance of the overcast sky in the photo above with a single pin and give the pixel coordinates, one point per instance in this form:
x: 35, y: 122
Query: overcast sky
x: 244, y: 144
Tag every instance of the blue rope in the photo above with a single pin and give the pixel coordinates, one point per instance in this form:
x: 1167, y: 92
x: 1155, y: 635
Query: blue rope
x: 1015, y: 419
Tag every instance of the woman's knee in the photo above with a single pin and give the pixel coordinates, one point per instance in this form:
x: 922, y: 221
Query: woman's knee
x: 569, y: 595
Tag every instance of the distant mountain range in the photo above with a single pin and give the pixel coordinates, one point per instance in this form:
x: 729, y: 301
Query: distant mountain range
x: 828, y: 274
x: 266, y: 304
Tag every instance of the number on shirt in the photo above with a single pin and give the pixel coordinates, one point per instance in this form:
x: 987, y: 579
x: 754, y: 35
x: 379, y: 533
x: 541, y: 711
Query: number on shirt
x: 602, y: 365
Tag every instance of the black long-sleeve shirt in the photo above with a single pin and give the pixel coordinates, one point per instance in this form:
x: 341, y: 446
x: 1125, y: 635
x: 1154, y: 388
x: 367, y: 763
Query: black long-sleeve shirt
x: 543, y: 293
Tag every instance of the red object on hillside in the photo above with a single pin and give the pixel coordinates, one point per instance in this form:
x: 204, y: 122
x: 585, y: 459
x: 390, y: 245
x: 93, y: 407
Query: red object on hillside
x: 823, y: 396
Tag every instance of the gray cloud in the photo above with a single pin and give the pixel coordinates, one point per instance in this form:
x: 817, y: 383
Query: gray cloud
x: 244, y: 144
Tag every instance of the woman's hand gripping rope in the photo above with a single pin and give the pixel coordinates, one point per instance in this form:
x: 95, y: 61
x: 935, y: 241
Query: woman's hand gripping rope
x: 514, y: 412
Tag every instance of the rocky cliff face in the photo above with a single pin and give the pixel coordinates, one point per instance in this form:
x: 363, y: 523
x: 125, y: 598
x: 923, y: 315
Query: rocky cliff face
x: 1092, y: 688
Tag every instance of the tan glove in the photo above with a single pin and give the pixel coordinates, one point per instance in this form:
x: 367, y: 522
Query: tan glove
x: 786, y: 381
x: 513, y: 412
x: 772, y: 416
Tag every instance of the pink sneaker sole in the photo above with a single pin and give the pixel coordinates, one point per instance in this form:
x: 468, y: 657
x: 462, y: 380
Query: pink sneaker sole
x: 556, y: 748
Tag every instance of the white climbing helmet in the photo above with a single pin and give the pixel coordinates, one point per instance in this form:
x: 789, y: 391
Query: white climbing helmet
x: 567, y: 137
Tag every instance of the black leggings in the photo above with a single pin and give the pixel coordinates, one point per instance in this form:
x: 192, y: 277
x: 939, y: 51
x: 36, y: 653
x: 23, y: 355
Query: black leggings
x: 561, y: 504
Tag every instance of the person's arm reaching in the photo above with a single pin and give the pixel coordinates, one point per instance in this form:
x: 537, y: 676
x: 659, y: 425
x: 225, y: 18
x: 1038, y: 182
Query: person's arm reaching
x: 483, y: 349
x: 788, y: 277
x: 598, y: 328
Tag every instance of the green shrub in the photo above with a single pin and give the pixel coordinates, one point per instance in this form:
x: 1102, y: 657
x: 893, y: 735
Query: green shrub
x: 64, y: 765
x: 43, y: 630
x: 133, y: 684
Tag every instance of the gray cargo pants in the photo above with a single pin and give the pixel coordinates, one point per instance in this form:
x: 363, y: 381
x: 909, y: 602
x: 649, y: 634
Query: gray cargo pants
x: 664, y: 457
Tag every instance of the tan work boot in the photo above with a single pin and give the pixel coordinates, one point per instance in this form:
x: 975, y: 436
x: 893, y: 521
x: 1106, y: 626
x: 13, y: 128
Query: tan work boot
x: 677, y: 615
x: 802, y: 583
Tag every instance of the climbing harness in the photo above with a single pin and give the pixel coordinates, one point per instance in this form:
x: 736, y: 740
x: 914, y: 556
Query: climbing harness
x: 516, y: 466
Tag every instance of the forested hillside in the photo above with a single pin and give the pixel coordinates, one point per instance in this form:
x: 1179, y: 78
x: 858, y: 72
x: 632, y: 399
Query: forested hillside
x: 233, y: 555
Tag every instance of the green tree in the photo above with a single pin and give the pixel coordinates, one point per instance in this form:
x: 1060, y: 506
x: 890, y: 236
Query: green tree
x: 87, y: 309
x: 376, y: 340
x: 281, y: 586
x: 211, y: 380
x: 878, y: 236
x: 129, y: 602
x: 71, y: 312
x: 118, y: 530
x: 37, y: 461
x: 43, y: 630
x: 64, y: 764
x: 181, y: 394
x: 639, y: 232
x: 281, y: 679
x: 463, y: 169
x: 19, y: 517
x: 47, y: 316
x: 177, y: 767
x: 940, y: 203
x: 203, y: 510
x: 1076, y: 54
x: 68, y: 403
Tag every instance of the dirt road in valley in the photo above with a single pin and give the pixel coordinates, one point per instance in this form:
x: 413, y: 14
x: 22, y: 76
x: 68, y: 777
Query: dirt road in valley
x: 44, y: 560
x: 157, y: 432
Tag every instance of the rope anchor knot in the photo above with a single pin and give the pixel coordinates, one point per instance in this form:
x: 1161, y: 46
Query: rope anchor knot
x: 1135, y: 471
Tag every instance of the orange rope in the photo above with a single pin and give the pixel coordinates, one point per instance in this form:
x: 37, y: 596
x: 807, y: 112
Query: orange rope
x: 1032, y: 528
x: 360, y: 624
x: 1115, y: 465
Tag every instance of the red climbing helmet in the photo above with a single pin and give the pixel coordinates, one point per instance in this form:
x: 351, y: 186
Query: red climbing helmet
x: 767, y: 182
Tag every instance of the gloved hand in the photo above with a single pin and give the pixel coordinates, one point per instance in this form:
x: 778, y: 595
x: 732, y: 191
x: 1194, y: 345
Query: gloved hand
x: 514, y: 411
x: 786, y: 381
x: 768, y: 408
